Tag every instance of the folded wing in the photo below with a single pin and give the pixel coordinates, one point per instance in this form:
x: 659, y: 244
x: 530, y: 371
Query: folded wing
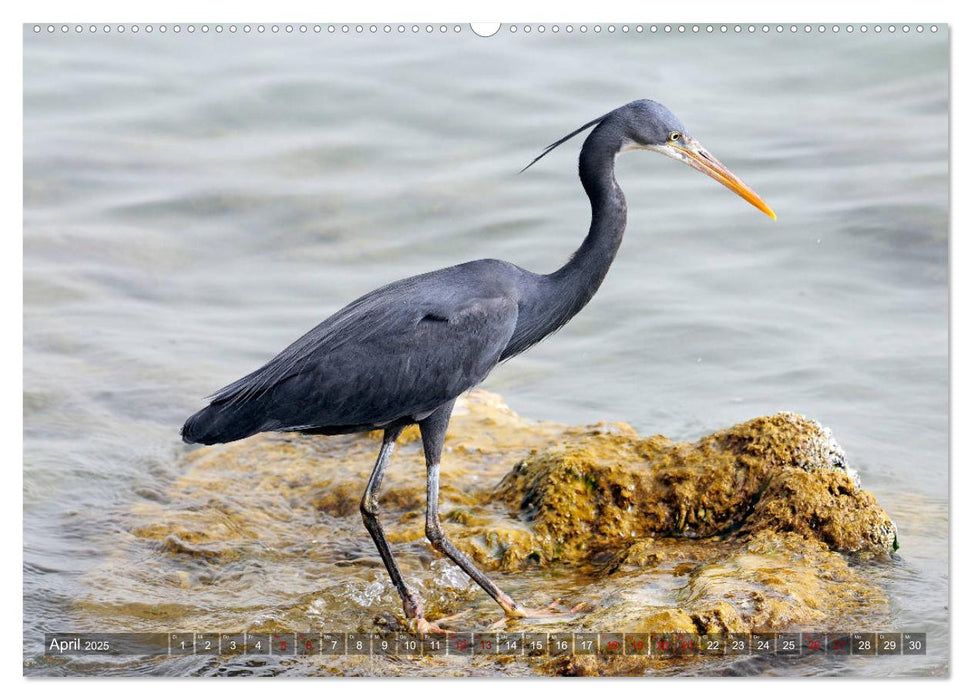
x: 396, y: 353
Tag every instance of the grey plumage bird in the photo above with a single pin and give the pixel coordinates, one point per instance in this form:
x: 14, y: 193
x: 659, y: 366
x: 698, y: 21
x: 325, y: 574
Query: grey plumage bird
x: 403, y: 353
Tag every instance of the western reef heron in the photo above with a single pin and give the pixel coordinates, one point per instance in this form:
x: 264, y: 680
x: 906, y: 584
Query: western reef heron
x: 401, y: 354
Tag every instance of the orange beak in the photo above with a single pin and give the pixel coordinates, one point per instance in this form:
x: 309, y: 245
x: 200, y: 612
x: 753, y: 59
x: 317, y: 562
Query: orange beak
x: 691, y: 152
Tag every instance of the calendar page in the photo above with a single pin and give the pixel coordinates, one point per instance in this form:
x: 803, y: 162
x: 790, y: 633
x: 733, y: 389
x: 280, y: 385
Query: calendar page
x: 438, y: 349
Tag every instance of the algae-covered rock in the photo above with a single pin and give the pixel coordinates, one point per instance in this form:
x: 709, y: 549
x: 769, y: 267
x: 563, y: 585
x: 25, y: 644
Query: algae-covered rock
x: 827, y: 505
x: 743, y: 530
x: 602, y: 489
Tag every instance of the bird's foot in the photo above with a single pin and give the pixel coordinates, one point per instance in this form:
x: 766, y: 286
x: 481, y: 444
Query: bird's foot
x: 556, y: 610
x: 419, y: 625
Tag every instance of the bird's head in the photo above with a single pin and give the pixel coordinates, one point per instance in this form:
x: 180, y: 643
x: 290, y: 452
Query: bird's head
x: 649, y: 125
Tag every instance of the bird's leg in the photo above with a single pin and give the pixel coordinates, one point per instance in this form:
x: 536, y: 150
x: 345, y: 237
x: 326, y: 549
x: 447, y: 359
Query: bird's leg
x: 369, y: 510
x: 433, y: 438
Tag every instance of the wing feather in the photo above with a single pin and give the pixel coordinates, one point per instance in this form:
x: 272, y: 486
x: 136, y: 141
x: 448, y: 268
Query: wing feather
x: 400, y: 351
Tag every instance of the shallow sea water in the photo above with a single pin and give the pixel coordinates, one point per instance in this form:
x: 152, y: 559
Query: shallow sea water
x: 194, y: 203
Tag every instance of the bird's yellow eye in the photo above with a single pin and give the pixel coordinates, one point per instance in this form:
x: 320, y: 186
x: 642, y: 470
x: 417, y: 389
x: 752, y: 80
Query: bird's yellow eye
x: 675, y: 136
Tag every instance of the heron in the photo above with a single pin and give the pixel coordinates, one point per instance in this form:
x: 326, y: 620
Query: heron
x: 401, y: 354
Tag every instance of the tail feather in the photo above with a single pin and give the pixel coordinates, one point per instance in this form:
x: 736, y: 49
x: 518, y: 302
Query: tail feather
x: 223, y: 422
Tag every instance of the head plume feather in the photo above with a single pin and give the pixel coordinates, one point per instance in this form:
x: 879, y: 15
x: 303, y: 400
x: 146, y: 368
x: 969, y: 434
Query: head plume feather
x: 567, y: 138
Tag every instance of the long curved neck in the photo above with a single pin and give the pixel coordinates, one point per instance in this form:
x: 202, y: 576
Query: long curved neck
x: 579, y: 279
x: 559, y: 296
